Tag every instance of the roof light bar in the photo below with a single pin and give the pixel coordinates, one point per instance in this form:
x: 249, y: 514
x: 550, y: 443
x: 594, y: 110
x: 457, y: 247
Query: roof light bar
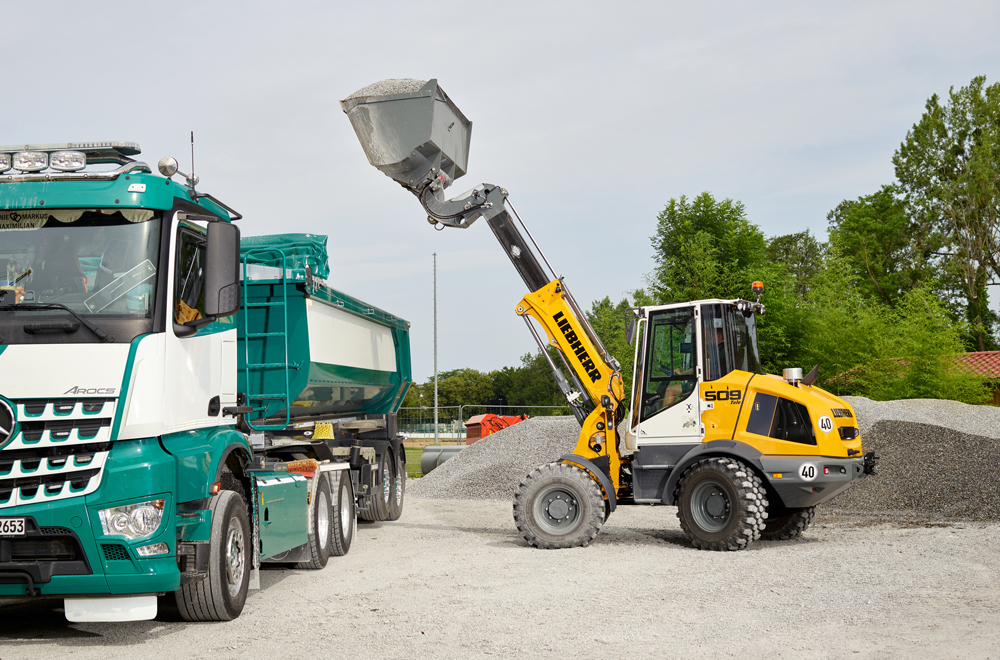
x: 116, y: 152
x: 4, y: 162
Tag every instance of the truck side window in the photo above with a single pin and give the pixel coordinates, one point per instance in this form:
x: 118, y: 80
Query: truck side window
x: 670, y: 375
x: 189, y: 287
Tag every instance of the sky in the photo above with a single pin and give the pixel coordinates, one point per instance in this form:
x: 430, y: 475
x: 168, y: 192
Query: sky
x: 593, y: 115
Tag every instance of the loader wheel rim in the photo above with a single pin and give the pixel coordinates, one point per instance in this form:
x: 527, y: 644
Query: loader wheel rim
x: 557, y: 510
x: 235, y: 558
x: 711, y: 507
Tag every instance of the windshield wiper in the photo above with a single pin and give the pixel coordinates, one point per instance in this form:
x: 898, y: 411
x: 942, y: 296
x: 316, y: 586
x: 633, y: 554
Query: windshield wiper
x: 26, y: 306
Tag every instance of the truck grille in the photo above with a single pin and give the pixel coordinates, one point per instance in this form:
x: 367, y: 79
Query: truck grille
x: 41, y: 553
x: 59, y: 451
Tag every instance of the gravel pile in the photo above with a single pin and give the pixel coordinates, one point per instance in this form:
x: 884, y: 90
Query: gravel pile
x: 938, y: 460
x: 492, y: 468
x: 389, y: 86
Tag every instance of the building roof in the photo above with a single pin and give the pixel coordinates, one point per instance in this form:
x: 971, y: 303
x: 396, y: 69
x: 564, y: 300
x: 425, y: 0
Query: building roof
x: 984, y: 363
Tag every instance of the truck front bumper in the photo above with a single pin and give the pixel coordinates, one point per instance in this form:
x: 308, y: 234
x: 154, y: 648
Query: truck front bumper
x: 804, y: 481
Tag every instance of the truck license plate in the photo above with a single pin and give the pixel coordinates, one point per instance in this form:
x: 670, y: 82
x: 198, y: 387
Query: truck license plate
x: 11, y: 526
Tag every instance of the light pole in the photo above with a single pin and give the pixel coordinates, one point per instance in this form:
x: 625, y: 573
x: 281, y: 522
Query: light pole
x: 435, y: 348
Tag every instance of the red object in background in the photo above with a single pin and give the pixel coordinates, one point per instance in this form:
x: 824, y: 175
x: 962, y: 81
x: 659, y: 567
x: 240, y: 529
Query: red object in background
x: 480, y: 426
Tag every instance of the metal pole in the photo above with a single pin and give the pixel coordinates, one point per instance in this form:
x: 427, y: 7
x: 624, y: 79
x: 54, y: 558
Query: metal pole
x: 436, y: 440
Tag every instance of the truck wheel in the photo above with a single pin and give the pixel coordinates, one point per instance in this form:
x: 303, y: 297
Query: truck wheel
x: 374, y: 507
x: 721, y: 504
x: 322, y: 526
x: 223, y: 593
x: 398, y: 487
x: 788, y: 525
x: 345, y: 520
x: 558, y: 506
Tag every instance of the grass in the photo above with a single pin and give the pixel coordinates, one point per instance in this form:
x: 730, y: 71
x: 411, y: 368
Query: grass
x: 413, y: 462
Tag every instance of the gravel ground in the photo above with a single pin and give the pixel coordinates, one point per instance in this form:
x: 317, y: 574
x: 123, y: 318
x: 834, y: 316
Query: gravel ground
x: 937, y: 462
x: 389, y: 86
x: 453, y: 579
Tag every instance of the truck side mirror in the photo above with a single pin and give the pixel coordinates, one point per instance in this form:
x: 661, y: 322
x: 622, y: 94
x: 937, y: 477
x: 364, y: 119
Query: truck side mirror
x: 630, y: 331
x: 222, y: 270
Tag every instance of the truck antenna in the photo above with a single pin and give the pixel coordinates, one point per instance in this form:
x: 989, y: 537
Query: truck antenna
x: 194, y: 179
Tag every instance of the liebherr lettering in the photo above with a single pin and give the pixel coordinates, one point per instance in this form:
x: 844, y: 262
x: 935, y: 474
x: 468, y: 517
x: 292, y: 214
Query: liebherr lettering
x: 577, y: 347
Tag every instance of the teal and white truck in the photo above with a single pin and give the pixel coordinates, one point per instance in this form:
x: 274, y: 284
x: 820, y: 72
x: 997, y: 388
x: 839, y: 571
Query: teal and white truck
x: 177, y: 405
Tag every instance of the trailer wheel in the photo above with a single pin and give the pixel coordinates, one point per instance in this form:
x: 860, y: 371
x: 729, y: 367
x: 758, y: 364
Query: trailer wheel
x: 721, y: 504
x: 223, y: 593
x: 374, y: 507
x: 321, y: 534
x: 788, y: 524
x: 398, y: 487
x: 345, y: 519
x: 558, y: 506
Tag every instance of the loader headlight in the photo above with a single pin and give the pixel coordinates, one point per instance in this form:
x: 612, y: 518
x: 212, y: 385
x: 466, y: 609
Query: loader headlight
x: 133, y: 521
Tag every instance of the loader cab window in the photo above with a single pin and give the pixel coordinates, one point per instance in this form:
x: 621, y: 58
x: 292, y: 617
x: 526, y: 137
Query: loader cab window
x: 189, y: 295
x: 730, y: 341
x: 669, y: 375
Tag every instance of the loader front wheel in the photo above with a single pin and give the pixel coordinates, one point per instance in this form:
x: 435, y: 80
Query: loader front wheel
x: 558, y: 506
x: 787, y: 524
x: 721, y: 504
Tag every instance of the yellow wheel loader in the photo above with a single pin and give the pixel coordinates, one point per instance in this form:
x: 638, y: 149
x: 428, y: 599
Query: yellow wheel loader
x: 741, y: 454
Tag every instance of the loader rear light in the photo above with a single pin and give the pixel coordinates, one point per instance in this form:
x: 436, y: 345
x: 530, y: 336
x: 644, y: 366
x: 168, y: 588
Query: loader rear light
x: 826, y: 470
x: 68, y: 161
x: 31, y: 161
x: 5, y: 162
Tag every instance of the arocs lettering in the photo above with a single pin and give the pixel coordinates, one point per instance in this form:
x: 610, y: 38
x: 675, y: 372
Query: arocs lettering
x: 91, y: 390
x: 574, y: 344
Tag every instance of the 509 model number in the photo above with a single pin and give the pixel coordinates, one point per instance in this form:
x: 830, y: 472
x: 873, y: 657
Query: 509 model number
x: 11, y: 526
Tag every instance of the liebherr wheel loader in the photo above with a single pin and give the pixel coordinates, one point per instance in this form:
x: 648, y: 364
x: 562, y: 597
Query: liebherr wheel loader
x: 742, y: 454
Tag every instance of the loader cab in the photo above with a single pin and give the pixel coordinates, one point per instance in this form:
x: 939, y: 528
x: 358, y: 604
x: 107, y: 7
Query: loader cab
x: 679, y: 347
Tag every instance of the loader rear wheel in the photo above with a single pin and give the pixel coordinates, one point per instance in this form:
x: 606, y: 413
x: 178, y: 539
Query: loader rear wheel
x: 788, y: 524
x: 374, y: 507
x: 558, y: 506
x: 721, y: 504
x: 321, y: 534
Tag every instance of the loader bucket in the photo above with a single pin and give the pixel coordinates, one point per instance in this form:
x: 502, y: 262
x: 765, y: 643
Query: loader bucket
x: 409, y: 128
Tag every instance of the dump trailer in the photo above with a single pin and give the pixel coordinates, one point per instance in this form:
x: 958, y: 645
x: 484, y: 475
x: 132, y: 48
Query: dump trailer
x: 741, y: 454
x: 177, y: 405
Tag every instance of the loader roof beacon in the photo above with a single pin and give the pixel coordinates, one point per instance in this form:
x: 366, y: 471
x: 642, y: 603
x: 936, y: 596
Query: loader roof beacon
x: 177, y: 405
x: 743, y: 455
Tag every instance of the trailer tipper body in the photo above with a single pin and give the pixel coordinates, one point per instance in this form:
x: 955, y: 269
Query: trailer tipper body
x: 177, y: 406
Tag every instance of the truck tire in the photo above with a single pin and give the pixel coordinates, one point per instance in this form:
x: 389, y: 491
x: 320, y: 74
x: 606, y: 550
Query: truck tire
x: 788, y: 524
x: 398, y: 487
x: 721, y: 504
x: 345, y: 519
x: 559, y: 506
x: 321, y: 532
x: 223, y: 593
x: 374, y: 507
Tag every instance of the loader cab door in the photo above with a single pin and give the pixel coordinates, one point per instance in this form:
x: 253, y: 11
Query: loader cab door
x: 665, y: 398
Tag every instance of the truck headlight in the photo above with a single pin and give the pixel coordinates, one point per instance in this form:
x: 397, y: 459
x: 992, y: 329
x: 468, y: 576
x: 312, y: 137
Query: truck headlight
x: 133, y: 521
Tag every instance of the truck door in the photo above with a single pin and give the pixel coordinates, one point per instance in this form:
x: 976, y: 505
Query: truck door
x: 667, y: 391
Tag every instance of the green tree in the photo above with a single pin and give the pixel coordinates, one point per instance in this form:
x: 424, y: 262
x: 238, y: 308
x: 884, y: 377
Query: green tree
x: 801, y: 253
x: 703, y: 248
x: 949, y: 169
x: 530, y: 384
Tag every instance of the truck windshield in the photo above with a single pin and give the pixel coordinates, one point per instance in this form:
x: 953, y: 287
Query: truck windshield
x: 99, y: 263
